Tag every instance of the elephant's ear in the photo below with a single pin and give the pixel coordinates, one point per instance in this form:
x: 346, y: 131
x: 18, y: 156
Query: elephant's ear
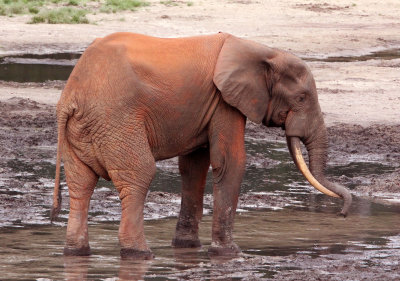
x: 241, y: 76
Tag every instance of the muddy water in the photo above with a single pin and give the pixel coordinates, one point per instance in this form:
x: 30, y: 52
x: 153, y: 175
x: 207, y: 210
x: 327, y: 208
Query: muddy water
x: 35, y: 252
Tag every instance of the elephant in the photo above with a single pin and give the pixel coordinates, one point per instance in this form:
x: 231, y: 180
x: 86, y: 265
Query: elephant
x: 133, y: 99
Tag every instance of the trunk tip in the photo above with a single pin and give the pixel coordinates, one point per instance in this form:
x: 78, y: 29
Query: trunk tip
x: 346, y: 195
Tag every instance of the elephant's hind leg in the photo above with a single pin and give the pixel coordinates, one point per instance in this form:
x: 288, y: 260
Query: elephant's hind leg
x: 193, y: 168
x: 132, y: 170
x: 81, y: 181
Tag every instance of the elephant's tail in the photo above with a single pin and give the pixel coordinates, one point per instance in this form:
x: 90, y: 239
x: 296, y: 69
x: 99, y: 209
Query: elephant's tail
x: 62, y: 118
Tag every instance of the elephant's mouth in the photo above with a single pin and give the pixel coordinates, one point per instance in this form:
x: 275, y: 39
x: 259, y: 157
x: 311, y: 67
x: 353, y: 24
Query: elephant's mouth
x: 279, y: 120
x: 269, y: 122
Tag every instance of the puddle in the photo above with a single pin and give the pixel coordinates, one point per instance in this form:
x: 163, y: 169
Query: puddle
x: 37, y: 68
x: 389, y: 54
x: 41, y: 68
x: 51, y: 56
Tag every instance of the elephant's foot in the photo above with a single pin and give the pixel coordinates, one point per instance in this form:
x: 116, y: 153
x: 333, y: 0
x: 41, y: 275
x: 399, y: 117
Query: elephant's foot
x: 230, y: 250
x: 186, y: 243
x: 129, y: 253
x: 83, y: 251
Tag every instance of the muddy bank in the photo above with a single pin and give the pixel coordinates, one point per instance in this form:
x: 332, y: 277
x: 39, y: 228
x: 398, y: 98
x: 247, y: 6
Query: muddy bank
x: 377, y: 140
x: 374, y: 144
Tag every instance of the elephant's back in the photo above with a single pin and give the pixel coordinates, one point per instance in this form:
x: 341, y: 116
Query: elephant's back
x: 130, y: 69
x: 124, y: 60
x: 166, y: 60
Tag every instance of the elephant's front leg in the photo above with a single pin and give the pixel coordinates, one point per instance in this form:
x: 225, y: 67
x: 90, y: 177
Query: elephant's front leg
x: 228, y: 159
x: 193, y: 169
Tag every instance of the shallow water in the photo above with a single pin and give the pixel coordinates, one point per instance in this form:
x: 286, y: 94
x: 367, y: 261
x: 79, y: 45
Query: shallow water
x: 36, y: 252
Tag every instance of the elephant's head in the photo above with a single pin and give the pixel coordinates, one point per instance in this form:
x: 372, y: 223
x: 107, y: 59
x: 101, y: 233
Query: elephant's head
x: 276, y: 88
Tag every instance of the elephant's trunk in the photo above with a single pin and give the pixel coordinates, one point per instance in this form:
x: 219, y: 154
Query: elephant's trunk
x: 317, y: 152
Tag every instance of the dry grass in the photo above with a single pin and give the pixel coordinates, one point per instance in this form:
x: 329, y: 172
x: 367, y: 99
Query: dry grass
x: 65, y: 11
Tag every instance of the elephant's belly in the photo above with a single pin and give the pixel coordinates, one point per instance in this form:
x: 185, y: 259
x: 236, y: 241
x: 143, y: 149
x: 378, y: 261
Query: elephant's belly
x: 180, y: 146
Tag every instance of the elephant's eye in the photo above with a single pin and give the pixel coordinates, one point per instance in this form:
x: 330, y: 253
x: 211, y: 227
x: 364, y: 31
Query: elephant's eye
x: 301, y: 98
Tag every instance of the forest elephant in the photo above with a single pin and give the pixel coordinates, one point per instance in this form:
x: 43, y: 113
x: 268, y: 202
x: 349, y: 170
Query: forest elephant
x: 132, y: 100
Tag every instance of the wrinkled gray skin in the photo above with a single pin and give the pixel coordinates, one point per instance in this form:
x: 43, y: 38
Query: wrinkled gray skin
x: 132, y: 100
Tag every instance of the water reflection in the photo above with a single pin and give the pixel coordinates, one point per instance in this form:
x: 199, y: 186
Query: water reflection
x: 83, y: 268
x: 133, y: 270
x: 76, y: 268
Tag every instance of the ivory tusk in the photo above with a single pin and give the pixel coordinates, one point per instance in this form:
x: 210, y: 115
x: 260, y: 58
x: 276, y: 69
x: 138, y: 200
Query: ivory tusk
x: 302, y: 166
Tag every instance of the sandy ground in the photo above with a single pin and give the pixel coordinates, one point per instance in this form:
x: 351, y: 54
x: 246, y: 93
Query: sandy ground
x: 360, y: 99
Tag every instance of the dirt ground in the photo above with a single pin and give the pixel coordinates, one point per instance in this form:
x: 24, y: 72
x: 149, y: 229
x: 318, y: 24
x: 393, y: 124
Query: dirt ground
x: 360, y: 99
